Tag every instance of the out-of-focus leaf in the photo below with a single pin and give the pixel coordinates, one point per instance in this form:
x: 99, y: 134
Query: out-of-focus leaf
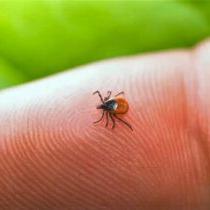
x: 9, y: 75
x: 46, y: 36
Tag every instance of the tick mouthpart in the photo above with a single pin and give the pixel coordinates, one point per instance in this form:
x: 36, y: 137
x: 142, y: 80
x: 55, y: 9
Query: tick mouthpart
x: 101, y: 106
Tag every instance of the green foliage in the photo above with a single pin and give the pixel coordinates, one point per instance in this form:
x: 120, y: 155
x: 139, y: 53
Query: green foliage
x: 9, y: 75
x: 41, y: 37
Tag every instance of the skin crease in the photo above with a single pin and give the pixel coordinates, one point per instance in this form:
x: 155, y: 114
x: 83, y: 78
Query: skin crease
x: 53, y: 157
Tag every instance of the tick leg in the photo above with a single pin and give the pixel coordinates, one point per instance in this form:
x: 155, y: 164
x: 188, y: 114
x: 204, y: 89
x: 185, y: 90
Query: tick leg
x: 100, y: 118
x: 107, y: 119
x: 108, y: 95
x: 113, y: 121
x: 120, y: 93
x: 99, y: 94
x: 124, y: 122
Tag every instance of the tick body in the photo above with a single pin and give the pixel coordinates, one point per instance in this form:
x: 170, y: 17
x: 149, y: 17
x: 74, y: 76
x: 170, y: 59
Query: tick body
x: 113, y: 106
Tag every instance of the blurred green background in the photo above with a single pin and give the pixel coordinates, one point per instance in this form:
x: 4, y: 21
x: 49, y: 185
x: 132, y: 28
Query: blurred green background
x: 41, y: 37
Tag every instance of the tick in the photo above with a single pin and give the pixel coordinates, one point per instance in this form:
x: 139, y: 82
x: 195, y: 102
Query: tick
x: 112, y: 107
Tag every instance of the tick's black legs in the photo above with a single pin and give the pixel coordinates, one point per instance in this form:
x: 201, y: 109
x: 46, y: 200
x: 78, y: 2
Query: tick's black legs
x: 113, y: 121
x: 108, y: 95
x: 107, y: 119
x: 99, y: 94
x: 100, y: 118
x: 120, y: 93
x: 123, y: 122
x: 112, y: 116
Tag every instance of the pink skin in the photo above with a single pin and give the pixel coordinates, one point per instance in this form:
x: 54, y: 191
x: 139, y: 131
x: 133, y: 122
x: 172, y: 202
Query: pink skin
x: 53, y: 157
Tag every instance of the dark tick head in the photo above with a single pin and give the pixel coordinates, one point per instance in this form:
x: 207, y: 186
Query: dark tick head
x: 109, y: 105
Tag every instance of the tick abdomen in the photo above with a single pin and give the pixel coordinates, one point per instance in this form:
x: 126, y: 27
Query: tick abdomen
x: 121, y: 106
